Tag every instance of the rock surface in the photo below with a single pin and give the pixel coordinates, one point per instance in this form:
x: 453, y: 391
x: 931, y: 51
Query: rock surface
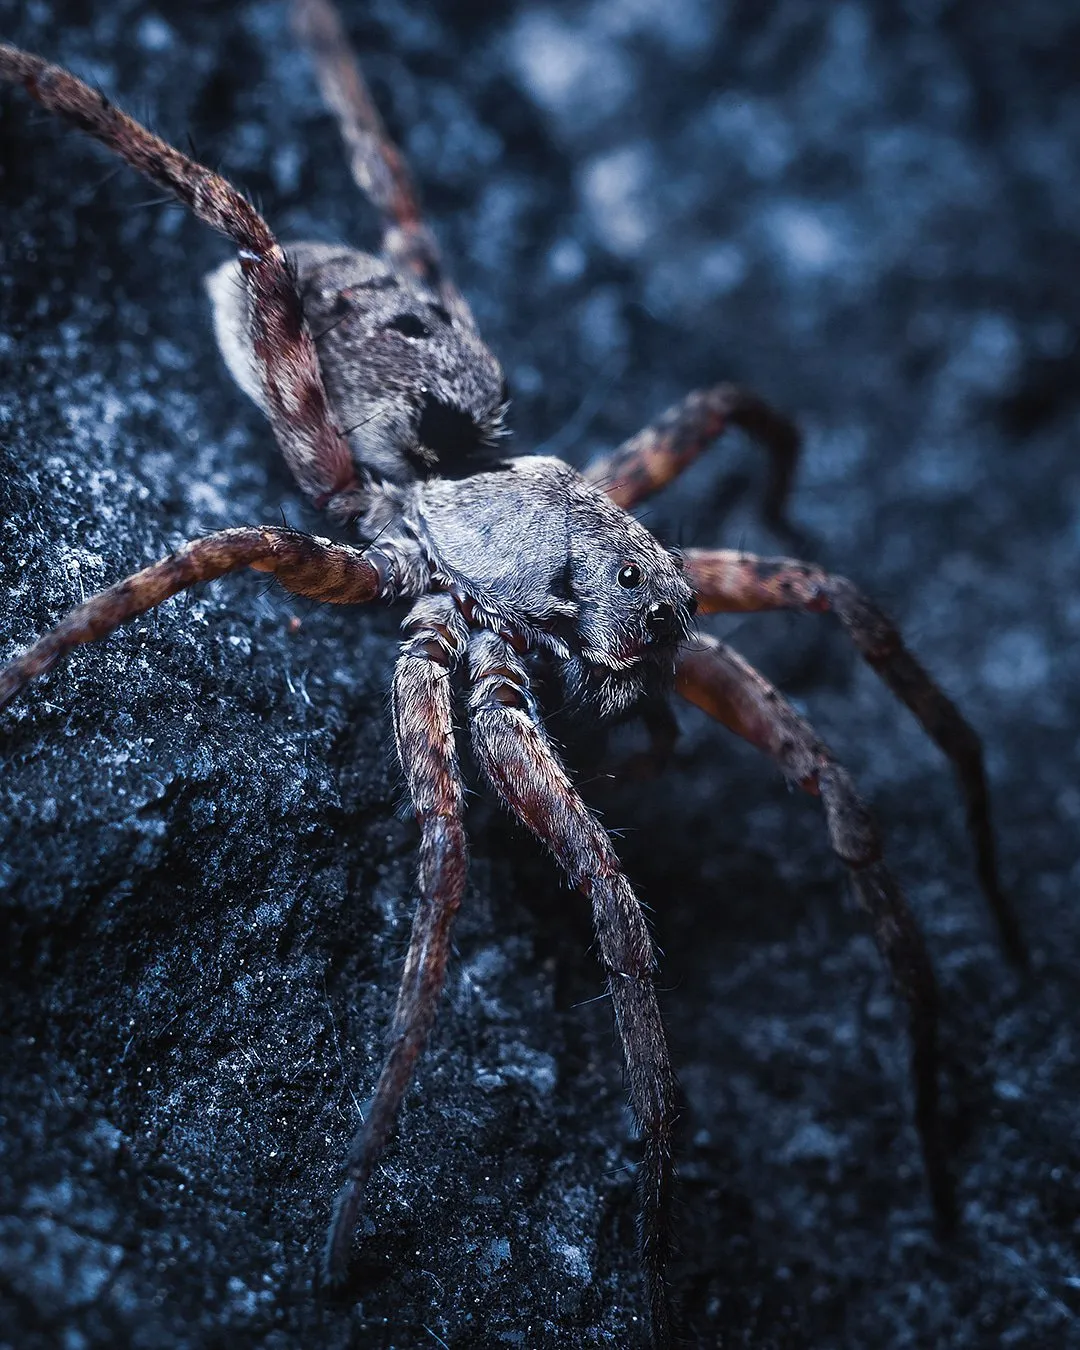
x: 869, y: 213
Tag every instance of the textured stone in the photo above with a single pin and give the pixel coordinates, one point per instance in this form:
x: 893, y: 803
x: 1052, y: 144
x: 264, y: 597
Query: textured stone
x: 867, y: 212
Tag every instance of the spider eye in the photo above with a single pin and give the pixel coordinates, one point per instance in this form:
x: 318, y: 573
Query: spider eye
x: 408, y: 325
x: 441, y: 312
x: 661, y: 619
x: 630, y: 575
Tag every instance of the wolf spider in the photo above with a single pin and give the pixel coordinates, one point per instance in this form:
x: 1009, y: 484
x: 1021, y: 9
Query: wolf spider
x: 389, y: 410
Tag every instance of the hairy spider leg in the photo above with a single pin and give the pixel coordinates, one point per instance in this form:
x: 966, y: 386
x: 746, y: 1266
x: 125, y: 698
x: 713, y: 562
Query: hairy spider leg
x: 725, y: 686
x: 515, y: 755
x: 378, y: 166
x: 305, y: 566
x: 651, y: 459
x: 424, y: 734
x: 728, y: 582
x: 314, y: 449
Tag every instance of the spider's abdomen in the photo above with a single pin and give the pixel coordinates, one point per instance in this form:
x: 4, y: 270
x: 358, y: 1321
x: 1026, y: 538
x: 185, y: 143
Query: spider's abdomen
x: 411, y: 385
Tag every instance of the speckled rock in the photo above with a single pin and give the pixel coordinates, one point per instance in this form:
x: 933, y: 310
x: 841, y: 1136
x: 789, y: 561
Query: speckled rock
x: 868, y: 212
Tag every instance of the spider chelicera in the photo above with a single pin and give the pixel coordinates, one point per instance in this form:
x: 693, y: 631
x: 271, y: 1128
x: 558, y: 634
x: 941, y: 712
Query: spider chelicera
x: 522, y: 574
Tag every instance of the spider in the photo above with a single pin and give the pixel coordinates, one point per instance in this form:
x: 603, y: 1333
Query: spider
x: 529, y: 582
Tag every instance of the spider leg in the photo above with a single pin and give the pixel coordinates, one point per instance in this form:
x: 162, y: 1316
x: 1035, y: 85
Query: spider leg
x: 306, y: 566
x: 662, y: 736
x: 719, y: 681
x: 378, y: 166
x: 295, y: 397
x: 651, y: 459
x: 424, y: 734
x: 517, y: 758
x: 728, y: 582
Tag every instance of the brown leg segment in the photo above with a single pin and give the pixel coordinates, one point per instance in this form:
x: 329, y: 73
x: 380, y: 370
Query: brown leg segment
x: 316, y: 568
x: 423, y: 727
x: 378, y: 166
x: 727, y: 582
x: 651, y: 459
x: 516, y: 757
x: 314, y: 449
x: 727, y: 688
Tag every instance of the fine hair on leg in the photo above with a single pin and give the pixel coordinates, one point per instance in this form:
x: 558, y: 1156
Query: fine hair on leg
x: 424, y: 736
x: 725, y: 686
x: 518, y: 760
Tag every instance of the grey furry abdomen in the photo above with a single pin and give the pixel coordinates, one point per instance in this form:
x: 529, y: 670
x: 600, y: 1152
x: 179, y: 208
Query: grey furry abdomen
x: 387, y: 348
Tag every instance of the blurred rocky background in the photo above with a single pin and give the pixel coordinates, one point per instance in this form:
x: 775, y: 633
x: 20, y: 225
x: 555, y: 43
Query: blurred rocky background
x: 868, y: 212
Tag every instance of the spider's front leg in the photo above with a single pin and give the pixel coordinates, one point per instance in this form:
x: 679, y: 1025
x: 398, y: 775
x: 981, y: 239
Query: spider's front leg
x: 719, y: 681
x: 516, y: 756
x: 727, y: 582
x: 334, y: 573
x: 424, y: 734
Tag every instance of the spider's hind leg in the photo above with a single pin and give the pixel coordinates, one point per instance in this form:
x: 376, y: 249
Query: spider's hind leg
x: 721, y: 683
x: 424, y: 734
x: 286, y: 362
x: 378, y: 166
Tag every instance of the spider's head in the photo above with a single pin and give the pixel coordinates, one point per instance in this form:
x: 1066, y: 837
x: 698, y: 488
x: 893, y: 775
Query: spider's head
x: 634, y: 606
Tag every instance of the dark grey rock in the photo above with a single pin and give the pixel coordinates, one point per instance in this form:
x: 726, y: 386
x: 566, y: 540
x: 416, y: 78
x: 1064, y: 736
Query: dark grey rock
x: 870, y: 213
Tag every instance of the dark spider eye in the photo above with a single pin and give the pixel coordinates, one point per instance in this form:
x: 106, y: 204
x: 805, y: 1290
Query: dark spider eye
x: 449, y: 432
x: 630, y: 575
x: 661, y: 619
x: 409, y: 326
x: 440, y: 313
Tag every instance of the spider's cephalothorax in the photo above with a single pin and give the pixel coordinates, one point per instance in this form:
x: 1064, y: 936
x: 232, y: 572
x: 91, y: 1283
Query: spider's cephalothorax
x: 388, y: 409
x: 535, y: 551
